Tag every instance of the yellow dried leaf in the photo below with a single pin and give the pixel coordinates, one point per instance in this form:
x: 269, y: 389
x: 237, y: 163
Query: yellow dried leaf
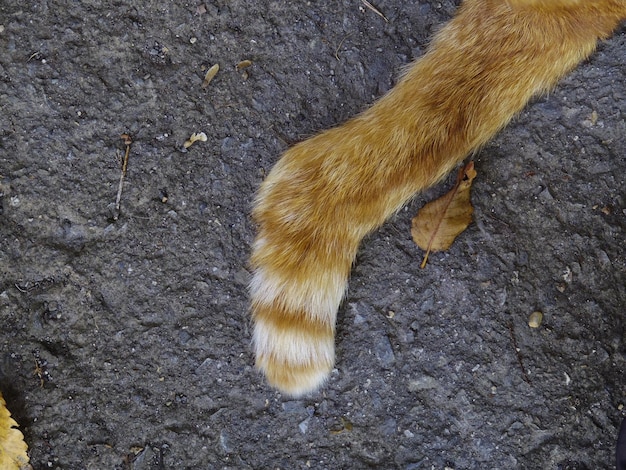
x: 439, y: 222
x: 200, y: 136
x: 243, y: 64
x: 535, y: 319
x: 212, y: 72
x: 13, y: 449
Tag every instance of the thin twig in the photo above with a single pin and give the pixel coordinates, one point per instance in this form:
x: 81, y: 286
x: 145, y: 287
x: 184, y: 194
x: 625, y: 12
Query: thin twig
x: 339, y: 46
x: 517, y: 353
x: 118, y: 200
x: 23, y: 291
x: 375, y: 10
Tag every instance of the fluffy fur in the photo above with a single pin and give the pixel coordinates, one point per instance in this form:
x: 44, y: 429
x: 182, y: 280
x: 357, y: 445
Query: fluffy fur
x: 326, y: 193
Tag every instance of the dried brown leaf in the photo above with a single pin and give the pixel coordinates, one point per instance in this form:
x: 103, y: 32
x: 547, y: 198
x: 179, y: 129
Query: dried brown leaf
x: 439, y: 222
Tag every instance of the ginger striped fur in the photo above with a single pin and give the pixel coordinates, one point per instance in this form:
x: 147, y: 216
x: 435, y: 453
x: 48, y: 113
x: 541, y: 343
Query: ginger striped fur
x: 326, y: 193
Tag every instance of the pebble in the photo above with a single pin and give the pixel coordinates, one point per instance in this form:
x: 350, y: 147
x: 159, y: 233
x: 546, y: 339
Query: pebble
x: 384, y: 352
x: 304, y: 425
x: 224, y: 442
x: 425, y: 382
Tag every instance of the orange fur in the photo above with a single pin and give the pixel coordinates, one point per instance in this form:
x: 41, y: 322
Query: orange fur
x: 326, y: 193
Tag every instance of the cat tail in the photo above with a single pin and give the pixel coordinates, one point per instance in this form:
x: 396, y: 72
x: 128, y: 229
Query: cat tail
x: 308, y: 235
x: 326, y: 193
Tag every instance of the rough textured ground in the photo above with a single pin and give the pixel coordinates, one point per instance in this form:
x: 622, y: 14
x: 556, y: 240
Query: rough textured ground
x: 139, y: 327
